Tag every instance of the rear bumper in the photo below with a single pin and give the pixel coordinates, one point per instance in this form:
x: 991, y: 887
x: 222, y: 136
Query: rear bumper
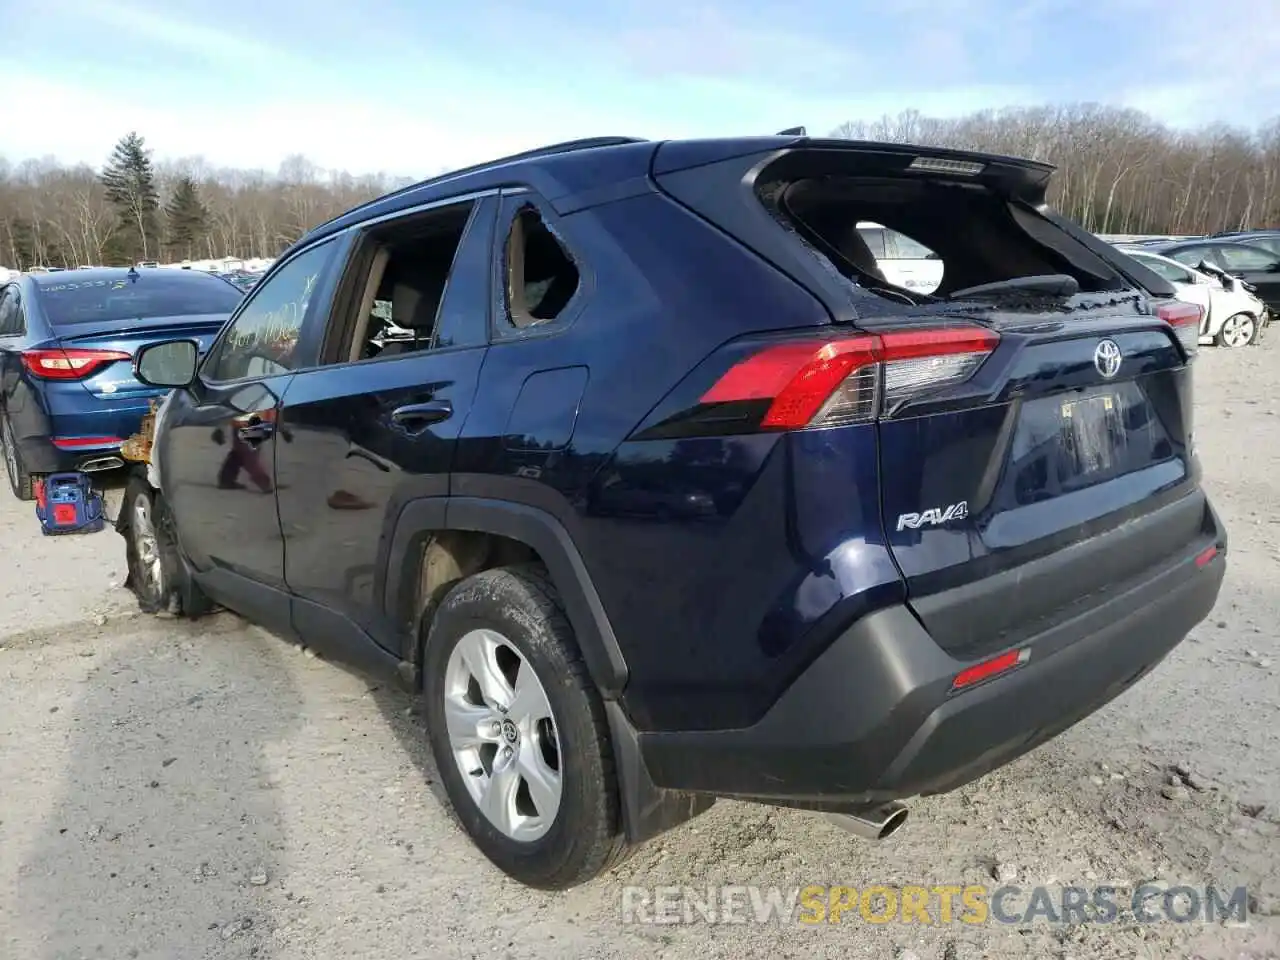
x: 41, y: 455
x: 117, y: 420
x: 873, y: 718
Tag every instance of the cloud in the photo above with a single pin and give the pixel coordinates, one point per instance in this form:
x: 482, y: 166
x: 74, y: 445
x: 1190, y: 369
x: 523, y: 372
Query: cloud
x: 134, y: 25
x: 1208, y: 62
x: 352, y: 134
x: 408, y: 92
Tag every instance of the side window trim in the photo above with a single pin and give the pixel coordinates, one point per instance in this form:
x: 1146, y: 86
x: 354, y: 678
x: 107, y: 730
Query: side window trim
x: 501, y: 329
x: 6, y: 292
x: 18, y: 319
x: 1244, y: 254
x: 323, y: 288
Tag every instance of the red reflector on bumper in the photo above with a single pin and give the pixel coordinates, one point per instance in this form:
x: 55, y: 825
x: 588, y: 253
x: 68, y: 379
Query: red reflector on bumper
x: 990, y: 668
x: 1205, y: 555
x: 73, y: 443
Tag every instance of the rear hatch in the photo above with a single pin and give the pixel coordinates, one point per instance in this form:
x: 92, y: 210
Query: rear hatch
x: 1029, y: 410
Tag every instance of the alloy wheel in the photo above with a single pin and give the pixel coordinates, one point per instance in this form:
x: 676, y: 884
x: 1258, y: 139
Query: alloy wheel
x: 1238, y: 330
x: 502, y: 734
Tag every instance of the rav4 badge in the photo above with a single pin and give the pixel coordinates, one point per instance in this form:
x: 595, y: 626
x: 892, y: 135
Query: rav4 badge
x: 934, y: 516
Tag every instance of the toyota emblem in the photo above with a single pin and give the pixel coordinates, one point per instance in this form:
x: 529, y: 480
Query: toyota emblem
x: 1106, y: 357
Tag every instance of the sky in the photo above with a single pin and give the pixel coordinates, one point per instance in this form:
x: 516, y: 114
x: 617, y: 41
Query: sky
x: 415, y: 88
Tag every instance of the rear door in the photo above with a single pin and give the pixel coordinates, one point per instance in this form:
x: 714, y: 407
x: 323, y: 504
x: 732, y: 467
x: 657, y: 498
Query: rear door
x: 376, y: 423
x: 218, y: 448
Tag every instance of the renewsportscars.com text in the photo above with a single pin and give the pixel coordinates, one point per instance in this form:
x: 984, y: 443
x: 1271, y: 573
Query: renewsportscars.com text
x: 934, y: 905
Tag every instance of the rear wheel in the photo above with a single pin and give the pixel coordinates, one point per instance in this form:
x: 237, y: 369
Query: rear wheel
x: 157, y: 575
x: 519, y: 732
x: 1238, y: 330
x: 20, y: 481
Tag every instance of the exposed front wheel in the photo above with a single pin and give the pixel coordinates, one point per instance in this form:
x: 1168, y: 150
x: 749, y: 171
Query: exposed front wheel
x: 1238, y: 330
x: 157, y: 575
x: 518, y: 730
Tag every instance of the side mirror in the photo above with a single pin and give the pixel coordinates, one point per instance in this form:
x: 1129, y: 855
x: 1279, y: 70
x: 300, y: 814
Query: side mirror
x: 170, y: 363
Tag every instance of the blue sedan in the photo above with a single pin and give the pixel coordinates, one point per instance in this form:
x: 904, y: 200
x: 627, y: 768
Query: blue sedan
x: 68, y: 397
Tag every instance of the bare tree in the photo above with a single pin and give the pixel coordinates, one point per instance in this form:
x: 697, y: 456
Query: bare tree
x: 1118, y: 171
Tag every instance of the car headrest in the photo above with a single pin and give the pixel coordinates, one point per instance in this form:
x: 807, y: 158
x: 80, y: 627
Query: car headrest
x: 414, y: 307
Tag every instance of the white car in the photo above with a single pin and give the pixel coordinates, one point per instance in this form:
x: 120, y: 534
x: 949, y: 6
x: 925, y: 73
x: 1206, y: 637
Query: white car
x: 1233, y: 317
x: 904, y: 262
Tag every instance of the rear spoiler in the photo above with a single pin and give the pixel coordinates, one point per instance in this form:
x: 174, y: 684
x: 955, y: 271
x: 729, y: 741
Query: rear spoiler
x: 1018, y: 179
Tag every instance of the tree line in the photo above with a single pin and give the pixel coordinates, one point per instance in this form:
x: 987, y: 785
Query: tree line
x: 1119, y: 171
x: 136, y: 208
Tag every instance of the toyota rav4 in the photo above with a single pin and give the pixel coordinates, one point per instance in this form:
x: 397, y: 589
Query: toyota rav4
x: 630, y: 459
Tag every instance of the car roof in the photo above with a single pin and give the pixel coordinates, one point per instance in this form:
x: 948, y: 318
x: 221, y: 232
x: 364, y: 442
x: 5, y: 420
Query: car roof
x: 577, y: 167
x: 105, y: 273
x: 1180, y: 244
x: 1210, y: 242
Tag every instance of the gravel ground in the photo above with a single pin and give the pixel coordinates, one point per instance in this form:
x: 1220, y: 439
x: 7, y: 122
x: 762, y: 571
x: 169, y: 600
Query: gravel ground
x: 177, y: 790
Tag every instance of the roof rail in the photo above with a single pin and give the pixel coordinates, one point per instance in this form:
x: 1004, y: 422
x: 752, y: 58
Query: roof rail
x: 568, y: 146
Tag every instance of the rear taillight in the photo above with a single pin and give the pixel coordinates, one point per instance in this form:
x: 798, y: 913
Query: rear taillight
x: 853, y: 379
x: 1185, y: 319
x: 69, y: 363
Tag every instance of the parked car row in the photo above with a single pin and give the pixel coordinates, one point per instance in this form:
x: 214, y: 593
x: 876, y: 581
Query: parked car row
x: 1233, y: 314
x: 1234, y: 278
x: 1244, y: 268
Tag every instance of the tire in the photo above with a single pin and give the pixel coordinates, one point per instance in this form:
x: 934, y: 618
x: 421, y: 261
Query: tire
x: 20, y: 480
x: 510, y: 619
x: 157, y: 576
x: 1238, y: 330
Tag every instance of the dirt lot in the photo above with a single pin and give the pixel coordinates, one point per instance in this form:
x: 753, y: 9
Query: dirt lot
x: 175, y: 790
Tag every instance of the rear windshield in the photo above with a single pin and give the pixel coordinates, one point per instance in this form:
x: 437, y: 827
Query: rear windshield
x: 922, y: 239
x: 154, y: 293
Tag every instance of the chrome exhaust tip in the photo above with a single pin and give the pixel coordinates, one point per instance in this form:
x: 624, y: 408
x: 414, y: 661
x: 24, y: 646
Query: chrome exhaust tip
x: 98, y: 464
x: 873, y: 823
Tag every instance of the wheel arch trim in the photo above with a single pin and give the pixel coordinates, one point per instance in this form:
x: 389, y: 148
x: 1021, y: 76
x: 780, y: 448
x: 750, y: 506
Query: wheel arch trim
x: 536, y: 528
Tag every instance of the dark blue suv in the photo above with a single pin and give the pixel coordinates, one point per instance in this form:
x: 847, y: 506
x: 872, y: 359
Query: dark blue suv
x: 631, y: 457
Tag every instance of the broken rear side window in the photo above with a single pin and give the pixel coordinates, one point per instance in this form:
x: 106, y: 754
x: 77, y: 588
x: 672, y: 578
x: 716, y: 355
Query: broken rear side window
x: 959, y: 235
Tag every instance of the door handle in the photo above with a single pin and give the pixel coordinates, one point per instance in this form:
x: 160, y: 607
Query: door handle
x: 256, y: 432
x: 422, y: 414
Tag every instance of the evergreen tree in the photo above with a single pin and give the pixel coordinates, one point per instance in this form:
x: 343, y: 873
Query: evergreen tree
x: 186, y: 218
x: 131, y: 188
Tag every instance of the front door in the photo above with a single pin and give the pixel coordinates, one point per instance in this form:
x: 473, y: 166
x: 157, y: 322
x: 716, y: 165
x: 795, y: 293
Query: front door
x: 376, y: 425
x: 217, y: 451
